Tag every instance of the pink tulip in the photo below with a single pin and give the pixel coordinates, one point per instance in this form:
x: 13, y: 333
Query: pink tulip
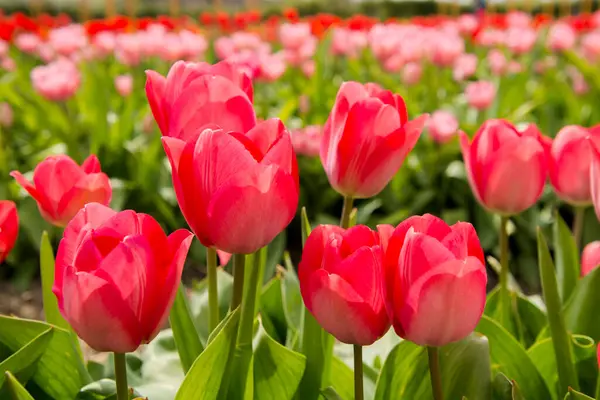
x: 308, y: 68
x: 590, y: 258
x: 3, y: 48
x: 124, y: 84
x: 464, y: 67
x: 506, y: 168
x: 447, y: 49
x: 57, y: 81
x: 570, y: 163
x: 366, y: 138
x: 520, y: 40
x: 294, y: 36
x: 442, y: 126
x: 237, y: 191
x: 481, y: 94
x: 194, y: 95
x: 434, y: 281
x: 8, y: 64
x: 590, y: 46
x: 117, y: 275
x: 561, y: 37
x: 307, y: 141
x: 272, y: 67
x: 61, y: 187
x: 27, y: 42
x: 341, y: 280
x: 595, y: 179
x: 6, y: 115
x: 9, y: 227
x: 67, y: 40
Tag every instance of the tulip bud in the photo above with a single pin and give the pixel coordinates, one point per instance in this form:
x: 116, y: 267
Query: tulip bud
x: 506, y: 168
x: 9, y: 227
x: 570, y: 162
x: 61, y: 187
x: 237, y: 192
x: 366, y: 139
x: 341, y: 282
x: 435, y: 280
x: 117, y: 275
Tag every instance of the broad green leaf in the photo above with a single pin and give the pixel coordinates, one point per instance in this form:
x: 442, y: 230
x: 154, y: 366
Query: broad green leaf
x: 51, y: 311
x: 203, y: 380
x: 99, y: 390
x: 271, y: 307
x: 582, y: 304
x: 510, y: 358
x: 16, y: 390
x: 277, y: 369
x: 575, y: 395
x: 198, y: 301
x: 305, y: 224
x: 505, y: 389
x: 293, y: 305
x: 60, y: 372
x: 342, y: 379
x: 329, y: 393
x: 397, y: 371
x: 567, y: 258
x: 186, y: 337
x: 275, y: 252
x: 567, y: 376
x: 24, y: 362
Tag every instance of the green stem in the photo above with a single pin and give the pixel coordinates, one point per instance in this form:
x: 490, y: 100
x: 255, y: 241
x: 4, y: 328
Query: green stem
x: 238, y: 280
x: 213, y: 289
x: 578, y: 225
x: 597, y: 388
x: 121, y: 376
x: 435, y: 373
x: 346, y: 211
x: 358, y: 373
x: 504, y: 294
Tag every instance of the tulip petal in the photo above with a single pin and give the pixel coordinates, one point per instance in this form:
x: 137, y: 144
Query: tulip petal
x: 445, y: 305
x: 595, y: 179
x: 155, y: 92
x: 91, y: 165
x: 55, y: 177
x: 463, y: 242
x: 40, y: 199
x: 92, y: 188
x: 342, y: 312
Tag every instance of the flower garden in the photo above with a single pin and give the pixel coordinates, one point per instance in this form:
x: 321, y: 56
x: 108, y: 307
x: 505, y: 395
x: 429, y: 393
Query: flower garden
x: 301, y: 207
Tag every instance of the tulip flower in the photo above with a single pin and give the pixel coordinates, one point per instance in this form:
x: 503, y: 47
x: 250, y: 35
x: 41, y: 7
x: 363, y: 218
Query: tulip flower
x: 117, y: 275
x: 570, y: 157
x: 442, y: 126
x: 196, y: 95
x: 61, y: 187
x: 590, y: 258
x: 124, y: 84
x: 481, y: 94
x: 506, y: 168
x: 341, y: 282
x: 595, y: 179
x: 9, y: 227
x: 366, y: 138
x: 57, y: 81
x: 435, y: 280
x: 237, y: 192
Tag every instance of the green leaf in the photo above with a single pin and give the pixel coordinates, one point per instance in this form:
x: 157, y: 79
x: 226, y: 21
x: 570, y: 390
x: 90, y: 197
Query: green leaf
x: 575, y: 395
x: 510, y: 358
x: 198, y: 301
x: 505, y: 389
x: 584, y: 303
x: 271, y: 308
x: 567, y: 258
x: 397, y: 371
x: 203, y: 380
x: 342, y: 379
x: 98, y: 390
x: 186, y: 337
x: 16, y: 390
x: 60, y: 372
x: 51, y: 311
x: 275, y: 252
x: 304, y: 222
x: 560, y: 339
x: 23, y: 362
x: 329, y: 393
x: 277, y: 369
x: 293, y: 306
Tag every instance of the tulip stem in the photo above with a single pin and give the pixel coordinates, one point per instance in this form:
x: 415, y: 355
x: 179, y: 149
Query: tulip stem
x: 504, y: 295
x: 578, y: 225
x: 346, y: 211
x: 213, y: 293
x: 238, y: 280
x: 121, y: 376
x: 358, y: 373
x: 434, y: 372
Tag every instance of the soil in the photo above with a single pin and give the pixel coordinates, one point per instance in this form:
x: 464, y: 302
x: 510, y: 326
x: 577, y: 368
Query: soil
x: 27, y: 304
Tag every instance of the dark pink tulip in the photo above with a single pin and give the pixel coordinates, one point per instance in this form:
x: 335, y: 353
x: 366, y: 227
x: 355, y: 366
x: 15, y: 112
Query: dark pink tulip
x: 9, y: 227
x: 590, y: 258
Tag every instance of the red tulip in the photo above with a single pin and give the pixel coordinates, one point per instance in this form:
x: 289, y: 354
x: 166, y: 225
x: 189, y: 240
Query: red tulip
x: 570, y: 161
x: 116, y: 276
x: 590, y: 258
x: 9, y: 227
x: 194, y: 95
x: 61, y: 187
x: 237, y: 192
x: 366, y: 139
x: 435, y: 280
x: 341, y: 282
x: 506, y: 168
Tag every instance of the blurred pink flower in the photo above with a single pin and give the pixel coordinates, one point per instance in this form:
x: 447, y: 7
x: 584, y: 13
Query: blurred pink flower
x: 272, y: 66
x: 124, y: 84
x: 307, y: 141
x: 6, y: 115
x: 561, y: 37
x: 442, y: 126
x: 308, y: 68
x: 411, y: 74
x: 464, y: 66
x: 3, y: 48
x: 590, y: 46
x: 8, y: 64
x: 68, y: 39
x: 480, y: 94
x: 520, y: 40
x: 27, y: 42
x: 467, y: 24
x: 497, y: 62
x: 294, y: 36
x: 57, y: 81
